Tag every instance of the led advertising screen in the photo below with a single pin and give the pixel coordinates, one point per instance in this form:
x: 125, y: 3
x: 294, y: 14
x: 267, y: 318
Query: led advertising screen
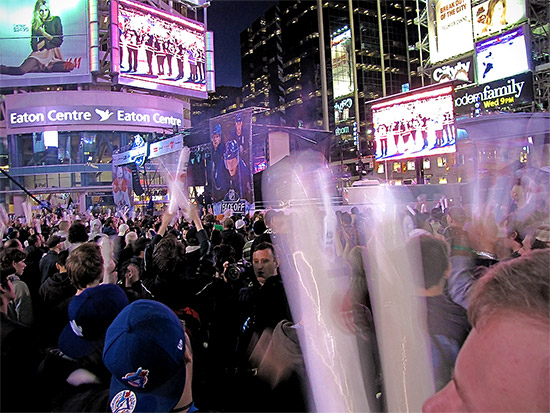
x: 459, y: 69
x: 449, y: 28
x: 43, y: 42
x: 229, y: 172
x: 415, y: 124
x: 493, y: 16
x: 159, y: 51
x: 495, y: 96
x: 502, y: 56
x: 340, y: 51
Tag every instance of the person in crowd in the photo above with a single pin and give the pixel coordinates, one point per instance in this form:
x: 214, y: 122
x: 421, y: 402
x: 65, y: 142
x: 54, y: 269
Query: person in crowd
x: 31, y: 273
x: 258, y: 228
x: 232, y: 237
x: 447, y: 321
x: 130, y: 280
x: 20, y: 309
x: 55, y: 295
x: 19, y: 353
x: 150, y: 359
x: 120, y: 241
x: 110, y: 227
x: 48, y: 262
x: 77, y: 235
x: 503, y: 365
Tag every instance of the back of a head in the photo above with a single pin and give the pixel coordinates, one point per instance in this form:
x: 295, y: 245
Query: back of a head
x: 10, y: 255
x: 64, y: 226
x: 130, y: 237
x: 85, y: 265
x: 169, y: 257
x: 228, y: 223
x: 77, y: 233
x: 259, y: 227
x: 518, y: 286
x: 434, y: 255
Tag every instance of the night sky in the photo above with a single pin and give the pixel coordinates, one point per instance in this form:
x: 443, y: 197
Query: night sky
x: 227, y: 18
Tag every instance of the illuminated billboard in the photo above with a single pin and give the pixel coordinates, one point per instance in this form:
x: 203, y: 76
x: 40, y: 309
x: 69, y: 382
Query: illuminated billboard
x: 459, y: 69
x: 229, y: 175
x: 502, y: 56
x: 415, y: 124
x: 43, y: 42
x: 449, y: 28
x: 341, y: 59
x: 511, y: 92
x: 493, y: 16
x: 160, y: 51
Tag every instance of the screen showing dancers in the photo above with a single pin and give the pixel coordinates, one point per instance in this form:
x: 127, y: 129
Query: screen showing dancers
x: 160, y: 51
x: 417, y: 124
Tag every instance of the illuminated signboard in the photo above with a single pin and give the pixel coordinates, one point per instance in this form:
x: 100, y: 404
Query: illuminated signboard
x: 340, y: 50
x: 491, y: 17
x: 460, y: 69
x: 160, y: 51
x: 91, y: 115
x: 491, y: 97
x: 419, y: 123
x: 343, y: 110
x: 449, y: 28
x: 502, y: 56
x: 44, y: 44
x: 229, y: 165
x: 166, y: 146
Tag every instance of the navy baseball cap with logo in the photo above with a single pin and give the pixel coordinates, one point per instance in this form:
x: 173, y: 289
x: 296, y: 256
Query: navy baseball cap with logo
x: 144, y: 351
x: 238, y: 117
x: 217, y: 129
x: 90, y: 314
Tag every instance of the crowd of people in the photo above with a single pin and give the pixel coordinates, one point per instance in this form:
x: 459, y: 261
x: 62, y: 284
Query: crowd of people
x: 191, y: 313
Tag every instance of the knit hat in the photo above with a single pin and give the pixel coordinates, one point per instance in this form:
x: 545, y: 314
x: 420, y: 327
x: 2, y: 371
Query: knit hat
x: 239, y: 224
x: 122, y: 229
x: 144, y: 351
x: 90, y: 314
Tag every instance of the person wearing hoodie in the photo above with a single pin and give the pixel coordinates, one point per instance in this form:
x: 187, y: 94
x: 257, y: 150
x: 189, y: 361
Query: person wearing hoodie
x: 233, y: 238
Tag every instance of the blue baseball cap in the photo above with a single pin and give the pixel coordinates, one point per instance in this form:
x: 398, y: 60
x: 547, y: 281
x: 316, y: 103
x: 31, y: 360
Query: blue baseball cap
x: 217, y: 129
x: 90, y: 314
x: 144, y: 351
x: 238, y: 117
x: 231, y: 150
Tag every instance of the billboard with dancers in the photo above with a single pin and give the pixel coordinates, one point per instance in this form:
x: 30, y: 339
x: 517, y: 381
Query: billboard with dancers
x: 160, y: 51
x: 415, y: 124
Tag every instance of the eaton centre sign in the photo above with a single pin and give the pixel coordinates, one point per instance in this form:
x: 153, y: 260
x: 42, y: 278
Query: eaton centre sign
x: 92, y: 115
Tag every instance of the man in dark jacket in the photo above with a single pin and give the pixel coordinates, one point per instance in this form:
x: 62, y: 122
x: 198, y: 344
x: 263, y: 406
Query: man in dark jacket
x: 47, y: 263
x: 233, y: 238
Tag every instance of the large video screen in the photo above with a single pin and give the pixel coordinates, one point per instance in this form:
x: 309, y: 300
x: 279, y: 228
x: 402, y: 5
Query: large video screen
x: 340, y: 51
x: 493, y: 16
x: 449, y: 28
x: 502, y: 56
x: 43, y: 42
x: 229, y: 170
x: 159, y: 51
x: 415, y: 124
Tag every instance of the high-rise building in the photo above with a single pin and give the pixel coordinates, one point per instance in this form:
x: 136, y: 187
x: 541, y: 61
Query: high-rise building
x: 283, y: 68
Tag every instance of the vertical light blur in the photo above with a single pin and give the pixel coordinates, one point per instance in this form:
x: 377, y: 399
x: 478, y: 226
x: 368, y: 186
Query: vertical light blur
x: 341, y: 377
x: 173, y: 168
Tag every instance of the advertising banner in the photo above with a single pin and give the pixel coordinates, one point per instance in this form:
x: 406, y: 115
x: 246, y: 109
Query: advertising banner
x: 416, y: 124
x: 97, y: 114
x: 449, y: 28
x: 502, y: 56
x: 340, y: 51
x: 491, y: 17
x: 460, y: 69
x: 122, y: 189
x: 159, y: 51
x: 229, y: 177
x: 492, y: 97
x: 166, y: 146
x: 43, y: 42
